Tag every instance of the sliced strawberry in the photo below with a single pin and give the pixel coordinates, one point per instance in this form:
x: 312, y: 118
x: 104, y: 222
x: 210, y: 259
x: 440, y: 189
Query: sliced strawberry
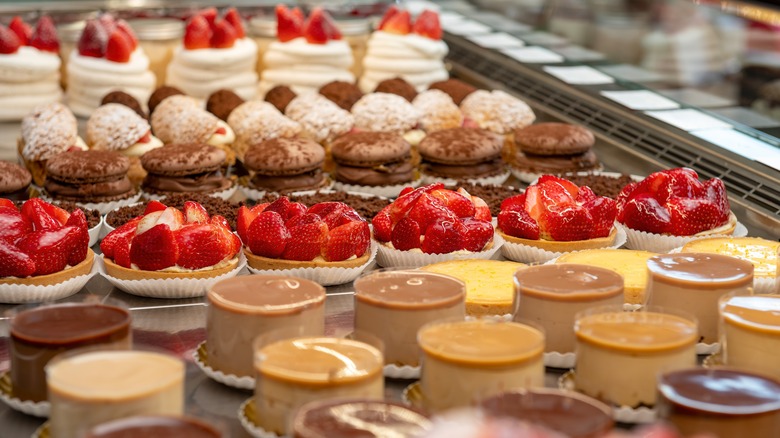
x: 459, y: 204
x: 8, y: 203
x: 295, y: 209
x: 567, y: 185
x: 306, y: 241
x: 172, y: 217
x: 427, y: 25
x: 229, y: 239
x: 442, y: 237
x: 14, y: 262
x: 623, y: 197
x: 405, y: 190
x: 428, y: 210
x: 585, y: 194
x: 406, y: 234
x: 119, y: 47
x: 281, y: 206
x: 691, y: 216
x: 475, y: 234
x: 155, y: 249
x: 22, y: 30
x: 224, y: 35
x: 244, y: 218
x: 303, y: 219
x: 288, y: 24
x: 45, y: 36
x: 602, y: 211
x: 298, y: 12
x: 122, y: 251
x: 197, y: 34
x: 93, y: 40
x: 199, y: 246
x: 232, y: 17
x: 148, y: 221
x: 679, y: 183
x: 49, y: 249
x: 78, y: 220
x: 194, y: 213
x: 36, y: 211
x: 513, y: 203
x: 383, y: 226
x: 108, y: 22
x: 715, y: 191
x: 643, y: 212
x: 9, y: 42
x: 403, y: 204
x: 13, y: 225
x: 153, y: 206
x: 389, y: 13
x: 481, y: 209
x: 399, y: 23
x: 565, y: 223
x: 518, y: 223
x: 651, y: 184
x: 210, y: 15
x: 122, y: 26
x: 58, y: 213
x: 315, y: 28
x: 108, y: 244
x: 345, y: 241
x: 267, y: 236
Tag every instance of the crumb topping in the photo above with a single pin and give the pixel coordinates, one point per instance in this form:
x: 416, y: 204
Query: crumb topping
x: 48, y: 130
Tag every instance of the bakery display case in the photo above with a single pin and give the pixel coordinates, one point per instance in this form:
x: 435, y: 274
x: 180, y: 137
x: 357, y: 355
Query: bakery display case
x: 641, y: 87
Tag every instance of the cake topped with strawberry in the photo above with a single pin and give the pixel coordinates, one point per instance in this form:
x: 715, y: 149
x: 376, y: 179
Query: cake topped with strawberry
x: 29, y: 67
x: 399, y: 48
x: 108, y: 58
x: 215, y: 54
x: 308, y: 53
x: 556, y: 215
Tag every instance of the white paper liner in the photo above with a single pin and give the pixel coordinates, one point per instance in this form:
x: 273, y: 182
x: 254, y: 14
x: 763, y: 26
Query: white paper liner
x: 765, y: 285
x: 702, y: 348
x: 102, y: 207
x: 713, y: 360
x: 232, y: 380
x: 36, y: 409
x: 394, y: 371
x: 324, y: 276
x: 25, y: 293
x: 95, y: 232
x: 251, y: 193
x: 494, y: 180
x: 39, y: 432
x: 169, y: 287
x: 507, y: 317
x: 411, y: 395
x: 531, y: 177
x: 330, y: 191
x: 635, y: 178
x: 250, y: 427
x: 224, y: 194
x: 255, y: 194
x: 531, y: 254
x: 390, y: 257
x: 621, y: 414
x: 385, y: 191
x: 663, y: 244
x: 554, y: 359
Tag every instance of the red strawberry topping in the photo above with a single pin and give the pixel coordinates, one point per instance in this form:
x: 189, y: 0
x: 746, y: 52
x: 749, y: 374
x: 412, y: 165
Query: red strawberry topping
x: 345, y: 241
x: 197, y: 34
x: 289, y: 25
x: 224, y: 35
x: 49, y: 248
x: 119, y: 47
x: 232, y: 17
x: 13, y: 225
x: 399, y: 23
x: 427, y: 25
x: 22, y: 30
x: 155, y: 249
x: 45, y: 36
x: 94, y: 40
x: 14, y: 262
x: 320, y: 28
x: 267, y: 236
x: 9, y: 41
x: 406, y: 234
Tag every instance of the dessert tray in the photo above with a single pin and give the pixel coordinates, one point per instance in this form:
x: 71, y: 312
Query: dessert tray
x: 201, y: 360
x: 246, y: 415
x: 36, y: 409
x: 394, y: 371
x: 621, y: 414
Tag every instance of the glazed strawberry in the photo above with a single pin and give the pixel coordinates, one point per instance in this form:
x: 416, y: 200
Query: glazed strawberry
x: 295, y: 209
x: 48, y: 248
x: 199, y: 246
x: 7, y: 203
x: 9, y: 42
x: 585, y: 195
x: 603, y: 211
x: 715, y: 191
x: 475, y: 234
x: 172, y: 217
x: 281, y: 206
x: 383, y: 225
x: 399, y: 23
x: 390, y: 13
x: 441, y: 237
x: 108, y: 244
x: 94, y: 40
x: 405, y: 235
x: 690, y: 216
x: 194, y: 213
x: 153, y: 206
x: 303, y: 219
x: 481, y: 209
x: 643, y: 212
x: 320, y: 28
x: 565, y: 224
x: 210, y: 15
x: 518, y: 223
x: 13, y: 225
x: 289, y: 25
x: 557, y: 181
x: 224, y: 35
x: 36, y: 213
x: 458, y: 203
x: 427, y: 25
x: 403, y: 204
x: 405, y: 190
x: 230, y: 240
x: 124, y: 27
x: 245, y: 217
x: 346, y: 241
x: 155, y: 249
x: 514, y: 203
x: 267, y: 236
x: 305, y: 241
x: 428, y: 210
x: 78, y: 220
x: 197, y: 34
x: 14, y: 262
x: 121, y: 254
x: 22, y: 30
x: 232, y: 17
x: 119, y: 47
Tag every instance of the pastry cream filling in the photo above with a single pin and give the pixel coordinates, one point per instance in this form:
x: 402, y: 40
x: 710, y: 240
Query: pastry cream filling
x: 177, y: 268
x: 226, y: 137
x: 139, y: 148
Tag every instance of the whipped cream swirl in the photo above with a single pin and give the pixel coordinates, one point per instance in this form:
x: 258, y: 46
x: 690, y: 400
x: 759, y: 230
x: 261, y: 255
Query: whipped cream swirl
x: 28, y: 78
x: 416, y: 59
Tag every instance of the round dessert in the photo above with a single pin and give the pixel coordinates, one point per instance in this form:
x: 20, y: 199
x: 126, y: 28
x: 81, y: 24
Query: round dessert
x: 761, y: 252
x: 497, y: 112
x: 575, y: 415
x: 722, y: 402
x: 160, y: 94
x: 455, y: 88
x: 398, y: 86
x: 694, y: 283
x: 554, y: 148
x: 154, y: 427
x: 255, y: 122
x: 285, y: 165
x: 94, y: 387
x: 320, y: 119
x: 14, y: 181
x: 40, y: 333
x: 122, y: 98
x: 237, y: 314
x: 296, y: 371
x: 91, y: 176
x: 363, y: 418
x: 489, y: 287
x: 619, y: 354
x: 280, y: 96
x: 465, y: 358
x: 222, y: 102
x: 630, y: 264
x: 184, y: 167
x: 343, y: 94
x: 462, y: 153
x: 552, y: 295
x: 385, y: 112
x: 750, y: 332
x: 438, y: 111
x: 372, y: 159
x: 405, y: 301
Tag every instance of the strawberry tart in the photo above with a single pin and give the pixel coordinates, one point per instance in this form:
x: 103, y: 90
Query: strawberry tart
x: 108, y: 59
x: 555, y: 216
x: 29, y: 67
x: 432, y: 224
x: 307, y: 55
x: 171, y: 253
x: 413, y: 52
x: 215, y: 54
x: 327, y: 242
x: 44, y: 252
x: 672, y: 207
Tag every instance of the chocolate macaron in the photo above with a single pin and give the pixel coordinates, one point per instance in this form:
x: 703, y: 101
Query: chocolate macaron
x: 285, y: 165
x: 88, y: 177
x: 14, y: 181
x: 185, y: 167
x: 554, y: 148
x: 370, y: 158
x: 462, y: 154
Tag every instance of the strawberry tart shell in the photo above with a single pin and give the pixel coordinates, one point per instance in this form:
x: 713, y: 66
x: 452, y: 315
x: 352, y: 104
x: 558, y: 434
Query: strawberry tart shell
x: 123, y: 273
x: 267, y: 263
x: 563, y: 246
x: 82, y: 268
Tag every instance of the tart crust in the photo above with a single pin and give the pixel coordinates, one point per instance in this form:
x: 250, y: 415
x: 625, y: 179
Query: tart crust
x: 123, y: 273
x: 82, y: 268
x: 727, y: 228
x: 266, y: 263
x: 560, y: 246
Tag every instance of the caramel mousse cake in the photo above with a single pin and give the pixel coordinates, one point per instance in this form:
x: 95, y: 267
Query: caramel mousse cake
x: 750, y: 332
x: 761, y: 252
x: 38, y: 334
x: 463, y: 153
x: 551, y: 296
x: 296, y: 371
x: 154, y: 427
x: 406, y: 301
x: 94, y: 387
x: 185, y: 168
x: 694, y: 282
x: 465, y: 359
x: 364, y: 418
x: 285, y: 165
x: 725, y: 402
x: 619, y: 354
x: 237, y: 314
